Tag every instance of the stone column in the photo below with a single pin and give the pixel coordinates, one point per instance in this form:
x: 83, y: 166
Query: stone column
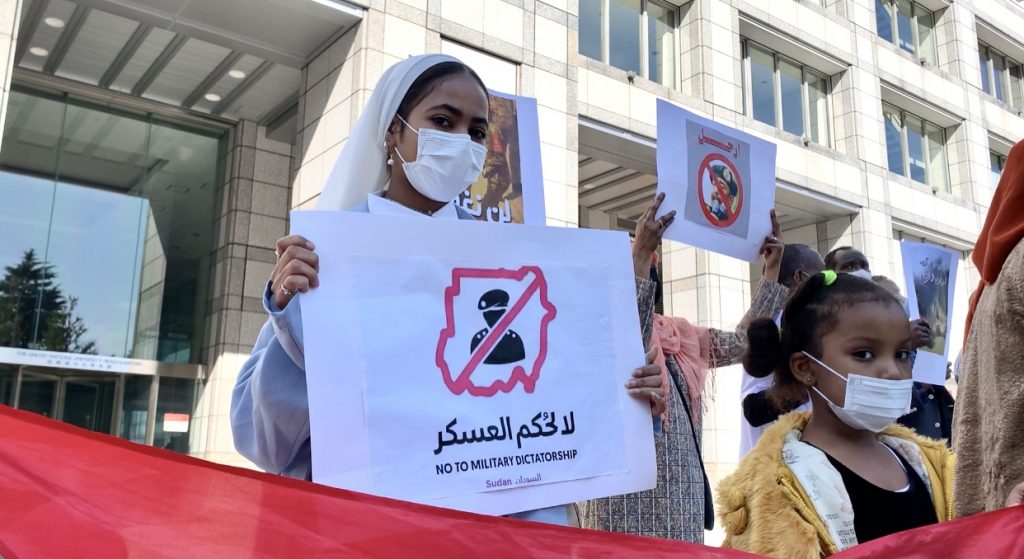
x: 253, y: 215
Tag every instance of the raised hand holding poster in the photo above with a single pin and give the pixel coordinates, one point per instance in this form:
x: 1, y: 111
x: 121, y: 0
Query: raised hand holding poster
x: 930, y: 274
x: 511, y: 187
x: 720, y: 181
x: 464, y: 365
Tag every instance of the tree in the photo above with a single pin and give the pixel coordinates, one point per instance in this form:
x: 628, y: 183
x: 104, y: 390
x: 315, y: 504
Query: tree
x: 35, y: 313
x: 65, y: 331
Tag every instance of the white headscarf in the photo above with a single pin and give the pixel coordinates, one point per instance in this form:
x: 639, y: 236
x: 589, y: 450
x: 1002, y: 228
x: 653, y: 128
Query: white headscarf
x: 361, y: 169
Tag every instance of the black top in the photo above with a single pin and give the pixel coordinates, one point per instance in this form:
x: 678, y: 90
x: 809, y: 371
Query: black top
x: 879, y: 512
x: 931, y: 412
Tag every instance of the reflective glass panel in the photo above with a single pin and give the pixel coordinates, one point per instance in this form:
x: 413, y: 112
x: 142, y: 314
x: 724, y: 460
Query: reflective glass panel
x: 938, y: 175
x: 591, y: 21
x: 135, y: 408
x: 174, y: 411
x: 996, y: 162
x: 926, y: 36
x: 904, y: 27
x: 893, y: 139
x: 661, y: 44
x: 38, y: 394
x: 8, y: 376
x: 89, y: 403
x: 883, y: 19
x: 624, y: 34
x: 762, y: 85
x: 791, y: 88
x: 999, y: 76
x: 817, y: 90
x: 111, y: 230
x: 1017, y: 86
x: 986, y: 67
x: 916, y: 150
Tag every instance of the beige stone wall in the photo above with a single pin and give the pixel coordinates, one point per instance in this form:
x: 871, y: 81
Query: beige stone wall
x: 253, y: 203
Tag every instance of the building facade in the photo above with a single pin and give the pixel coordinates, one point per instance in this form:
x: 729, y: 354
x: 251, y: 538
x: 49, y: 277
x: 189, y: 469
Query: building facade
x: 152, y: 150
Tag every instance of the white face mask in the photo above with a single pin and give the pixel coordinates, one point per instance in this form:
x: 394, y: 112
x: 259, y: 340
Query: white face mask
x: 871, y: 404
x: 862, y: 273
x: 445, y: 163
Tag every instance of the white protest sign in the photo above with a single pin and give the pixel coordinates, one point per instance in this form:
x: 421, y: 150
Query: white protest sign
x: 471, y: 365
x: 930, y: 275
x: 720, y: 181
x: 511, y: 187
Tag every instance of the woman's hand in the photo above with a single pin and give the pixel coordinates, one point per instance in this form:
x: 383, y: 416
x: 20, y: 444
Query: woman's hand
x: 1016, y: 496
x: 646, y: 383
x: 296, y: 271
x: 771, y: 249
x: 648, y: 235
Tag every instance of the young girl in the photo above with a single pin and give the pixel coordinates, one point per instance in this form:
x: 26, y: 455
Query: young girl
x: 821, y: 482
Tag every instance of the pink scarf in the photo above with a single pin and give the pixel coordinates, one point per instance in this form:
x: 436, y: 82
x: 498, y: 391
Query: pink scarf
x: 690, y: 347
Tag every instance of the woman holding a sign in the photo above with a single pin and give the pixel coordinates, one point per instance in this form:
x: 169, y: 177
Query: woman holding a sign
x: 419, y: 142
x: 684, y: 355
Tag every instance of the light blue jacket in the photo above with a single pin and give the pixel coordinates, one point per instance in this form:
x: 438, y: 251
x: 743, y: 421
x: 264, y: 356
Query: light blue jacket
x: 270, y: 407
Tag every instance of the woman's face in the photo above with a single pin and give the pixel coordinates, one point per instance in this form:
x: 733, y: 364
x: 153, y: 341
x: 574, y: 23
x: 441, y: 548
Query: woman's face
x: 457, y: 105
x: 872, y: 339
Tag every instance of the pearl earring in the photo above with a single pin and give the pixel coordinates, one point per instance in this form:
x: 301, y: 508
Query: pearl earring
x: 387, y: 152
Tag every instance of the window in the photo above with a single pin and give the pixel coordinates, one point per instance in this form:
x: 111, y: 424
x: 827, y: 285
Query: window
x: 499, y: 74
x: 1001, y: 76
x: 916, y: 148
x: 997, y: 162
x: 633, y: 35
x: 782, y: 93
x: 908, y: 25
x: 79, y: 174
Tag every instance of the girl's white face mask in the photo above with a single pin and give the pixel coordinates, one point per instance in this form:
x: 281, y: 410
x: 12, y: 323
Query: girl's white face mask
x: 871, y: 403
x: 445, y: 163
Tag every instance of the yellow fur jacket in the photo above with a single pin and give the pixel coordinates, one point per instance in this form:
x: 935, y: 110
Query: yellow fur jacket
x: 765, y: 509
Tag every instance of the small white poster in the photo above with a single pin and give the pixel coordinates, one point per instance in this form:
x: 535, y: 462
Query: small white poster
x: 511, y: 187
x: 930, y: 274
x: 720, y: 181
x: 473, y: 366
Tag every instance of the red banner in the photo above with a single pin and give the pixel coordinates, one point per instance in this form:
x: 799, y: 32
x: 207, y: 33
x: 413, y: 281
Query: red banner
x: 994, y: 535
x: 67, y: 493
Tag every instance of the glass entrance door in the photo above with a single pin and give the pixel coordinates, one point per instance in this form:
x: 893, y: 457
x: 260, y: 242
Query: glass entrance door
x: 154, y: 410
x: 89, y: 403
x: 37, y: 393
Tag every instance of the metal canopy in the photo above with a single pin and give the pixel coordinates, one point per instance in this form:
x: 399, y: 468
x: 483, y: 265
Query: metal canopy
x: 234, y: 59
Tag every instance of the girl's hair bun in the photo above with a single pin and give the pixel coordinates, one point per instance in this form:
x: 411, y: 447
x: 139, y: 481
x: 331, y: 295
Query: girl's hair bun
x: 763, y: 347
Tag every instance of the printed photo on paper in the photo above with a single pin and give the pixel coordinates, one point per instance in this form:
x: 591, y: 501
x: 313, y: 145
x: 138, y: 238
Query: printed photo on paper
x: 930, y: 272
x: 510, y: 188
x: 718, y: 196
x: 720, y: 180
x: 931, y: 283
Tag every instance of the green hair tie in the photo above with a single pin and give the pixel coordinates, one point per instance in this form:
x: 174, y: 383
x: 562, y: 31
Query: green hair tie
x: 830, y: 276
